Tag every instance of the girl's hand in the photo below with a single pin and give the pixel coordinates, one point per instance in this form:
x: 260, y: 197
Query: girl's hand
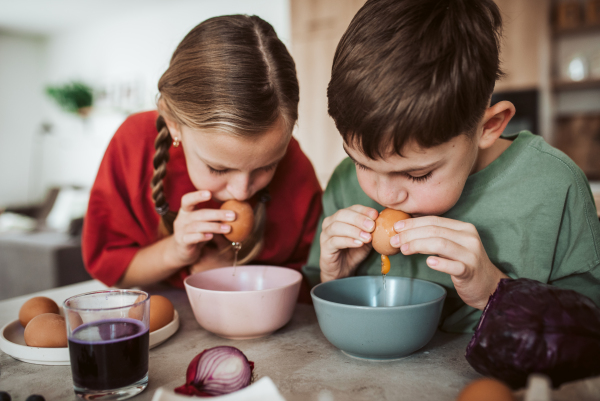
x: 458, y: 252
x: 193, y: 228
x: 346, y: 241
x: 216, y: 253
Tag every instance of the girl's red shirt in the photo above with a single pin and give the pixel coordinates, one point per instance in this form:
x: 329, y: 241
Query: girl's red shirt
x: 121, y: 217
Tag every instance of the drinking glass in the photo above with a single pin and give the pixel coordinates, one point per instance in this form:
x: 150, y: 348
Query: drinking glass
x: 108, y: 333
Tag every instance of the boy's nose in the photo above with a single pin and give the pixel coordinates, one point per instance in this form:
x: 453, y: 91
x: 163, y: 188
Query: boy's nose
x: 391, y: 196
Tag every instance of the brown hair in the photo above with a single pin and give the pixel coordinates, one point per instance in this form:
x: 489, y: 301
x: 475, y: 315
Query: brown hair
x: 234, y: 74
x: 414, y: 70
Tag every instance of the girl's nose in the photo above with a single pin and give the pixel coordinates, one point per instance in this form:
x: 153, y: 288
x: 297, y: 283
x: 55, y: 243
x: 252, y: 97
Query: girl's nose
x: 239, y: 187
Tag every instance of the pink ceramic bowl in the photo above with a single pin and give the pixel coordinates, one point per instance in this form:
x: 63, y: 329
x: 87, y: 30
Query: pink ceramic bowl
x: 245, y: 301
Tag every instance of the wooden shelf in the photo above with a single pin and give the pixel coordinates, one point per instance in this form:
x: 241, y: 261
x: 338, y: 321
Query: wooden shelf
x: 580, y: 30
x: 576, y: 85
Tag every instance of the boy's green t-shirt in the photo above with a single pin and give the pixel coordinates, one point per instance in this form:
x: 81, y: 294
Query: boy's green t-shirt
x: 533, y: 209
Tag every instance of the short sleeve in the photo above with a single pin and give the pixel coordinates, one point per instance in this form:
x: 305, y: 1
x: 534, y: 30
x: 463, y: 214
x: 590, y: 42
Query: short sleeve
x: 577, y: 257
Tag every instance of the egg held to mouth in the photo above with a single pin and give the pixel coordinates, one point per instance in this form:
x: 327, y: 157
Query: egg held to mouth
x: 384, y: 230
x: 242, y: 226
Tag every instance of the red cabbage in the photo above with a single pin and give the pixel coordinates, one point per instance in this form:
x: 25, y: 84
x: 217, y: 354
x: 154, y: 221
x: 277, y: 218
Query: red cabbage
x: 529, y: 327
x: 217, y: 371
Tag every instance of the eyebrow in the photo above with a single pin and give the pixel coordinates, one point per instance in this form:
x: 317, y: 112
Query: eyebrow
x: 217, y: 166
x: 406, y: 171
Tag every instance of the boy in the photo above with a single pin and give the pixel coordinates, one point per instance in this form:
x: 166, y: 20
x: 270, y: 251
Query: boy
x: 410, y: 94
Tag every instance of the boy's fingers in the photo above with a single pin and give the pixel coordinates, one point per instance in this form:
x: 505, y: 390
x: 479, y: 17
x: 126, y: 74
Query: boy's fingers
x: 189, y: 200
x: 425, y: 232
x: 341, y: 229
x: 336, y: 243
x: 351, y: 217
x: 432, y: 221
x: 365, y: 210
x: 438, y: 246
x: 451, y: 267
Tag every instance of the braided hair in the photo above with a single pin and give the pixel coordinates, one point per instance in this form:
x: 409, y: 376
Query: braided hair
x: 232, y: 73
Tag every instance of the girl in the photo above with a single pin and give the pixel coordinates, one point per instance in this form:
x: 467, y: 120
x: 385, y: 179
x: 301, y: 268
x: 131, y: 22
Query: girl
x: 223, y: 130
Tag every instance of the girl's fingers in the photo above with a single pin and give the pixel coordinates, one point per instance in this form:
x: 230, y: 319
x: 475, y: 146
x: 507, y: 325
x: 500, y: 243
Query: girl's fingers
x: 212, y: 215
x: 451, y: 267
x: 207, y: 227
x: 196, y: 238
x: 190, y: 200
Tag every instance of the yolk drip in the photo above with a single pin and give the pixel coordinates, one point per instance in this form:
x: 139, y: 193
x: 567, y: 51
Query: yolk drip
x: 385, y: 264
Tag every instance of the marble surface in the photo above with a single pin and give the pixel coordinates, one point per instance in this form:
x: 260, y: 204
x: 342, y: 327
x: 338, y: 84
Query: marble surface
x: 298, y: 358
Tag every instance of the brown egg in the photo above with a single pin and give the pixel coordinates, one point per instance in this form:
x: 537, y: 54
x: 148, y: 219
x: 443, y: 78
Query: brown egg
x: 137, y: 312
x: 47, y: 330
x: 384, y: 230
x: 36, y: 306
x: 244, y: 221
x: 161, y: 312
x: 75, y: 319
x: 486, y: 389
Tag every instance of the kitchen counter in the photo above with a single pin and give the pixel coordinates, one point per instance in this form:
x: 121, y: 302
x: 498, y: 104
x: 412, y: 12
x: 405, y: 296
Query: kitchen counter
x: 298, y: 358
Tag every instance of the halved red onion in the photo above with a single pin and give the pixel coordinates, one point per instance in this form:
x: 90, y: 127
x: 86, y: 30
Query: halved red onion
x: 217, y: 371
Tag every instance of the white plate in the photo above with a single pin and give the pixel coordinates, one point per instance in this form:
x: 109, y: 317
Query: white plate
x: 12, y: 343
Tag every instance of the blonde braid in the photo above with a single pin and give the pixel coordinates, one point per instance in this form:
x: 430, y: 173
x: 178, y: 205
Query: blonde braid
x: 162, y: 143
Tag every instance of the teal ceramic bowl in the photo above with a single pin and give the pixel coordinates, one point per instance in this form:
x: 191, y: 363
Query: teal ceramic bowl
x: 365, y: 320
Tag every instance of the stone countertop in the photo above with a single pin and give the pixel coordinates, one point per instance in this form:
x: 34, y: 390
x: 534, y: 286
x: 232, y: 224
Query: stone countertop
x: 298, y: 358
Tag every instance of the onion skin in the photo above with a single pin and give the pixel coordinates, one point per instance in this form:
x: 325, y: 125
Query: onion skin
x: 204, y: 379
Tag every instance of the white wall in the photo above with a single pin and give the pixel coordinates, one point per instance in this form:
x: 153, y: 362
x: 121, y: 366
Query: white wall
x: 21, y: 71
x: 129, y: 48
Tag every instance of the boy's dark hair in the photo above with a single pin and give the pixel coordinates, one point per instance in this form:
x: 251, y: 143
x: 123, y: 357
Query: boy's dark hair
x: 420, y: 70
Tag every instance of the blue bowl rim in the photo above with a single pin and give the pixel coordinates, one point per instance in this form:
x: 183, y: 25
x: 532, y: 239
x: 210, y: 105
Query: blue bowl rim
x: 294, y: 283
x: 436, y: 300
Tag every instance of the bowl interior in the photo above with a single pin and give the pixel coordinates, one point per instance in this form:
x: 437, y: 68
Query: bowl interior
x: 244, y: 278
x: 370, y: 291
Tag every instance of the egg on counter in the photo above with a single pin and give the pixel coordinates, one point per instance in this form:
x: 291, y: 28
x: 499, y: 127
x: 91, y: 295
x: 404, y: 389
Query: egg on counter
x: 47, y: 330
x: 34, y: 307
x: 242, y: 226
x: 384, y: 230
x: 486, y: 389
x: 161, y: 312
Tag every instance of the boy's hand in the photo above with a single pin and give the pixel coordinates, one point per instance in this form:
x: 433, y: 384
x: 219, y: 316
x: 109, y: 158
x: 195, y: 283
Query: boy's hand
x: 458, y: 252
x: 345, y: 241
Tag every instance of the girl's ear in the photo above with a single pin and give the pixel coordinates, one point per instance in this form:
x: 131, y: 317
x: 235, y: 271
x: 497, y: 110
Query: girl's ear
x: 173, y: 128
x: 494, y: 122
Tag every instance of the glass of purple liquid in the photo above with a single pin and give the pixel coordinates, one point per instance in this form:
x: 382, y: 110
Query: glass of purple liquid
x: 108, y: 333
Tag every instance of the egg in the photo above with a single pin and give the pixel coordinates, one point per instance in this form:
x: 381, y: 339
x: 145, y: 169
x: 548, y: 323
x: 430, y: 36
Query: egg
x: 242, y: 226
x: 486, y: 389
x: 47, y: 330
x: 36, y: 306
x: 137, y: 311
x: 161, y: 312
x: 384, y: 230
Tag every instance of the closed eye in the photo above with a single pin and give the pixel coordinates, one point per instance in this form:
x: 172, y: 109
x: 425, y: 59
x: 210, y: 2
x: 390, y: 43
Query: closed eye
x: 217, y: 172
x: 421, y: 178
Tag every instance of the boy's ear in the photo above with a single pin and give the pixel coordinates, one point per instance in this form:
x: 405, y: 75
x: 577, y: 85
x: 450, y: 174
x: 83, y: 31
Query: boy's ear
x: 494, y: 121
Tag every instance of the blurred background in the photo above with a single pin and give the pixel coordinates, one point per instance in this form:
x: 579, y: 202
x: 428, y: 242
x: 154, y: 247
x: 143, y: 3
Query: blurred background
x: 71, y: 72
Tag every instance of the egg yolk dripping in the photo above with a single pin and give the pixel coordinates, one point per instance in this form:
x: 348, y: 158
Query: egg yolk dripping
x: 385, y: 264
